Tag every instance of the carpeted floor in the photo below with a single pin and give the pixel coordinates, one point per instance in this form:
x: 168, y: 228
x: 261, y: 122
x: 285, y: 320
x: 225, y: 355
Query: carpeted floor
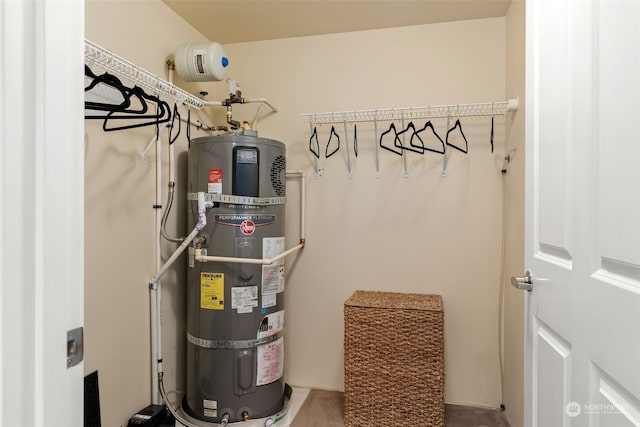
x: 324, y: 408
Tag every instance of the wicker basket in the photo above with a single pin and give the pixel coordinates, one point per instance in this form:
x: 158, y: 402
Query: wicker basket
x: 394, y: 360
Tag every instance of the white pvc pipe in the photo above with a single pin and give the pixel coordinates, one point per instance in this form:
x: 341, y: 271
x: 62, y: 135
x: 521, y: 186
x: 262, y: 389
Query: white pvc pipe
x: 303, y: 200
x: 213, y: 103
x: 202, y: 221
x: 172, y: 154
x: 175, y: 255
x: 158, y: 221
x: 262, y: 100
x: 154, y: 344
x: 263, y: 261
x: 154, y: 291
x: 268, y: 261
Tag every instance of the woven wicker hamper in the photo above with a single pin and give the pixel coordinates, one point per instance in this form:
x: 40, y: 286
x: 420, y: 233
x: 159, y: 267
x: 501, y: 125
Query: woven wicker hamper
x: 393, y: 360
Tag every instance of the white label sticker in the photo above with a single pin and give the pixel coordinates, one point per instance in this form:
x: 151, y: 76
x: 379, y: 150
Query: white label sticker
x: 210, y: 404
x: 210, y: 408
x: 211, y: 413
x: 272, y: 246
x: 271, y: 324
x: 269, y: 300
x: 244, y: 298
x: 270, y: 362
x: 272, y: 275
x: 272, y: 279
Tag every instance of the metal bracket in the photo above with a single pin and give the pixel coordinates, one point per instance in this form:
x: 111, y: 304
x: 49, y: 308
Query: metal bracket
x: 75, y: 346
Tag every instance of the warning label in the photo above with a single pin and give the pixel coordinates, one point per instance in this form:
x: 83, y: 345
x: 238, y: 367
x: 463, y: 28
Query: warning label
x: 270, y: 362
x: 271, y: 324
x: 272, y: 275
x: 212, y: 291
x: 214, y: 181
x: 244, y: 298
x: 272, y: 279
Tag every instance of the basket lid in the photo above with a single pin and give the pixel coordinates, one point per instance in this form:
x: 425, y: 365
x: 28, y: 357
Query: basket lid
x: 395, y: 300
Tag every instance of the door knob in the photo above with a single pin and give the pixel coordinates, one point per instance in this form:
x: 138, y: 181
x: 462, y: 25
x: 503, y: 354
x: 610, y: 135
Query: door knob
x: 524, y: 283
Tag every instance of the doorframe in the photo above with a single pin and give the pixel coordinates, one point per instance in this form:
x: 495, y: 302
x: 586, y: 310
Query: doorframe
x: 529, y: 204
x: 42, y: 210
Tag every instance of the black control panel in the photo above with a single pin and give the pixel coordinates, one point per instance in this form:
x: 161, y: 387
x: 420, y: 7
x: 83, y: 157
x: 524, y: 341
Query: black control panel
x: 246, y: 171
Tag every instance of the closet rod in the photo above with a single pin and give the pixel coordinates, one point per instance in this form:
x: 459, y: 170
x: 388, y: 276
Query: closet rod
x: 409, y: 113
x: 120, y: 67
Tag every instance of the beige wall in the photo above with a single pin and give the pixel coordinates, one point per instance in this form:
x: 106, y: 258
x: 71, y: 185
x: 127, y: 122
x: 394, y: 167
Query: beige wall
x: 423, y: 233
x: 514, y: 220
x: 119, y: 232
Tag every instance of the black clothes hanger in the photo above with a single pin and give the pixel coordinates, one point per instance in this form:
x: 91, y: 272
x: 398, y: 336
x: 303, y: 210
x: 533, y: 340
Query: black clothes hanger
x: 113, y: 83
x: 314, y: 134
x: 411, y: 127
x: 162, y: 115
x: 492, y: 134
x: 326, y: 151
x: 127, y: 110
x: 89, y: 73
x: 189, y: 127
x: 141, y: 111
x: 355, y: 139
x: 392, y: 127
x: 466, y: 144
x: 124, y: 109
x: 175, y: 114
x: 423, y: 147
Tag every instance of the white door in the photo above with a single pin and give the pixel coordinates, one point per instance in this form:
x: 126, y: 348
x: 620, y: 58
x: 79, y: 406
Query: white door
x: 41, y: 211
x: 582, y: 364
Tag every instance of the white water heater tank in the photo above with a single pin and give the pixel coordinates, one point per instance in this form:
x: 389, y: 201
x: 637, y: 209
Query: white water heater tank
x: 201, y: 62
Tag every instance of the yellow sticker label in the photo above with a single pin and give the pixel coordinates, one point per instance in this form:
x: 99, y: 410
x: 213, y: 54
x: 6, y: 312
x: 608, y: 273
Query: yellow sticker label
x: 212, y: 291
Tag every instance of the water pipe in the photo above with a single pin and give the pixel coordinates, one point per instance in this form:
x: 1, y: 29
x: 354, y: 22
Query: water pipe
x: 268, y: 261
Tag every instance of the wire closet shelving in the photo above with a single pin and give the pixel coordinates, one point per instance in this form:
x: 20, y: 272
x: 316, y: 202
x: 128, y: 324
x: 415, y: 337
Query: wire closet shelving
x: 411, y: 113
x: 99, y: 56
x: 486, y: 109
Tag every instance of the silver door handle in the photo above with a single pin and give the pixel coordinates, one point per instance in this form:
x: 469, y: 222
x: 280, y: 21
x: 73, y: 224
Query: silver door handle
x: 524, y: 283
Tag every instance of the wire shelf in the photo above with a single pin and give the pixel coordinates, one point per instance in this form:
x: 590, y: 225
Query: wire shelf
x: 96, y: 55
x: 411, y: 113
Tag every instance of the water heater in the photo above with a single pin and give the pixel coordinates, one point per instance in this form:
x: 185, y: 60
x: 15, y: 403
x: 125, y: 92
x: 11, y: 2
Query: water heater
x: 235, y: 324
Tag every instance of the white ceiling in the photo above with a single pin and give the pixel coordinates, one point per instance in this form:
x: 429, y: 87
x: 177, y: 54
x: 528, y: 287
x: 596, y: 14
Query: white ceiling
x: 235, y: 21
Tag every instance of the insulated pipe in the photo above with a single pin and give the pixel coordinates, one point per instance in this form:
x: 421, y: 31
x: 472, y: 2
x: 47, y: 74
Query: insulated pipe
x: 269, y: 261
x: 303, y: 200
x: 244, y: 101
x: 172, y: 153
x: 262, y: 100
x: 154, y: 288
x: 198, y: 125
x: 154, y: 345
x: 202, y: 222
x: 212, y: 103
x: 155, y: 298
x: 263, y: 261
